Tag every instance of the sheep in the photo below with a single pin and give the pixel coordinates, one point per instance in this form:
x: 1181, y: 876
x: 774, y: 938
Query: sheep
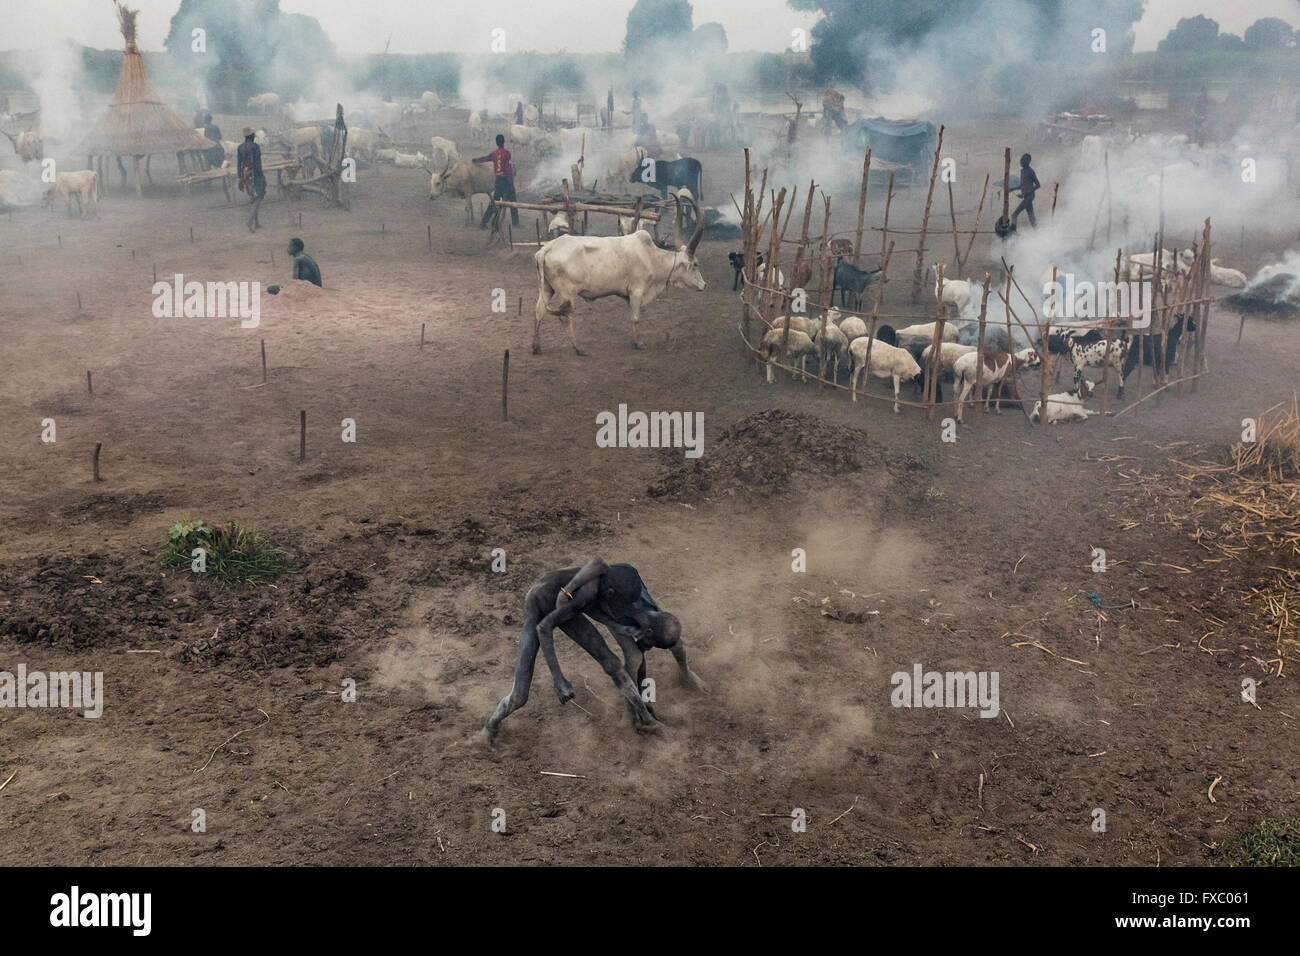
x: 956, y: 292
x: 800, y: 346
x: 83, y: 184
x: 851, y: 325
x: 886, y: 361
x: 924, y: 334
x: 999, y: 369
x: 443, y: 151
x: 1142, y: 265
x: 800, y: 322
x: 1065, y: 407
x: 837, y: 349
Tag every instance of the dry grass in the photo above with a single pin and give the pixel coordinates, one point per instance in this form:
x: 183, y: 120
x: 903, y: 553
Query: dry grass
x: 1248, y: 509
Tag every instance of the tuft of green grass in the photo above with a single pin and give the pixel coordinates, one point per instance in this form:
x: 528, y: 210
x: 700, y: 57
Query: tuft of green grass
x: 233, y: 554
x: 1271, y: 843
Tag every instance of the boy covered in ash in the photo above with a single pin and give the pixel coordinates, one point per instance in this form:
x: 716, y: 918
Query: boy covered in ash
x: 614, y: 595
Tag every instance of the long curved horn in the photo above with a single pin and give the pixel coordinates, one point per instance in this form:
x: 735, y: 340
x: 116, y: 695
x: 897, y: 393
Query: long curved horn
x: 678, y: 203
x: 698, y: 235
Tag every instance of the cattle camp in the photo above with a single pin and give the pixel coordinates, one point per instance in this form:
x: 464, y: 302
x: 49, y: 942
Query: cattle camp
x: 747, y: 433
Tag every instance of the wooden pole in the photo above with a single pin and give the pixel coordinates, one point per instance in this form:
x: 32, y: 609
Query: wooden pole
x: 94, y: 461
x: 956, y: 245
x: 1006, y: 200
x: 1056, y: 189
x: 925, y: 221
x: 422, y: 324
x: 932, y: 373
x: 263, y: 361
x: 875, y: 311
x: 979, y: 214
x: 428, y: 233
x: 78, y: 301
x: 979, y: 343
x: 90, y: 386
x: 191, y: 234
x: 1046, y: 353
x: 505, y: 386
x: 884, y: 229
x: 862, y: 205
x: 302, y: 435
x: 1109, y: 333
x: 824, y: 297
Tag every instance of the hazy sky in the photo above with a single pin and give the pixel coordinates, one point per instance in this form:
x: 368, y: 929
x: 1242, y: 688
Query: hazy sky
x: 359, y: 26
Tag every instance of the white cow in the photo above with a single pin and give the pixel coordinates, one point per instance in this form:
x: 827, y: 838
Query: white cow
x: 27, y: 145
x: 264, y: 102
x: 476, y: 131
x: 465, y: 179
x: 431, y: 101
x: 631, y: 267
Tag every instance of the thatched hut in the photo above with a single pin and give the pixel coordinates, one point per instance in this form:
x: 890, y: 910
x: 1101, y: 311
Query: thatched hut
x: 138, y: 123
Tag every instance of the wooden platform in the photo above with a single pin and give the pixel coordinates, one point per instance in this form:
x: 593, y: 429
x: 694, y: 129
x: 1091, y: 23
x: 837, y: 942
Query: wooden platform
x: 227, y: 176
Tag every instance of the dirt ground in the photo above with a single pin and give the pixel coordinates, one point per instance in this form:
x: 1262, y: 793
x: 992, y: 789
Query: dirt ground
x: 967, y: 556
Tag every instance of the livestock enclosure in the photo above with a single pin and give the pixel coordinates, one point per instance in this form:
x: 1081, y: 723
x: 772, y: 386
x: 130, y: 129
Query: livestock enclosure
x: 295, y: 527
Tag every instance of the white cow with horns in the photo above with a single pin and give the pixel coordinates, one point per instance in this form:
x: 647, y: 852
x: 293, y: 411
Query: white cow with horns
x: 596, y: 267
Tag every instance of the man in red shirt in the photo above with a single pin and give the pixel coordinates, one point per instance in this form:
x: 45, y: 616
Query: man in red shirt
x: 504, y: 170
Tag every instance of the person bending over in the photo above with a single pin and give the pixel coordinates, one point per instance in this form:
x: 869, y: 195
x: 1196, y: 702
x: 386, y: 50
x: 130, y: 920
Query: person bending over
x: 615, y: 596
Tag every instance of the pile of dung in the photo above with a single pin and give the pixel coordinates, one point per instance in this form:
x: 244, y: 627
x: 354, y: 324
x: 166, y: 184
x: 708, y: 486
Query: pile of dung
x: 763, y: 454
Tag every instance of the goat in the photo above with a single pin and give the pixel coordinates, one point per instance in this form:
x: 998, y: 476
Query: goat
x: 999, y: 369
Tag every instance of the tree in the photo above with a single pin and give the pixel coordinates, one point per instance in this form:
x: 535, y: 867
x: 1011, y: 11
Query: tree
x: 1191, y: 34
x: 710, y: 38
x: 1270, y: 33
x: 657, y: 23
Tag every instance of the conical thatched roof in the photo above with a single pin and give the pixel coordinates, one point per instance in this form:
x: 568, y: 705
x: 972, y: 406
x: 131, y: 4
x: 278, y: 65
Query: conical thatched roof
x: 138, y: 122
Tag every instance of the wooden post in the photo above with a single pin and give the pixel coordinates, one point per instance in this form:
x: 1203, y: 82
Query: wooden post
x: 302, y: 435
x: 428, y: 233
x: 1006, y: 209
x: 956, y: 246
x: 1203, y: 326
x: 1108, y: 333
x: 155, y: 271
x: 505, y: 386
x: 862, y: 205
x: 884, y: 228
x: 925, y: 221
x: 94, y: 461
x: 932, y: 373
x: 824, y: 297
x: 875, y: 314
x: 191, y: 234
x: 263, y: 361
x: 78, y: 301
x: 1056, y: 189
x: 979, y: 214
x: 979, y: 343
x: 90, y: 386
x: 422, y: 334
x: 1044, y: 337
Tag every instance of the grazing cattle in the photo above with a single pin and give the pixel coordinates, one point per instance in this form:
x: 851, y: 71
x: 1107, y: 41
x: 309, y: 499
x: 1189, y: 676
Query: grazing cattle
x: 1065, y: 407
x: 465, y: 179
x: 665, y: 174
x: 264, y: 102
x: 83, y: 184
x: 851, y: 281
x: 631, y: 267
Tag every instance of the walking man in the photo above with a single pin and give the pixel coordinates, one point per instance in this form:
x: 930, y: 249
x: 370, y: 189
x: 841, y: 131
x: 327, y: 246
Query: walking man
x: 248, y: 161
x: 1029, y: 185
x: 504, y: 188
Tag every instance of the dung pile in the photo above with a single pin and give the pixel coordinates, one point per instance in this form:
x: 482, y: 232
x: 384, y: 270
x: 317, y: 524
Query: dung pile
x: 764, y: 453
